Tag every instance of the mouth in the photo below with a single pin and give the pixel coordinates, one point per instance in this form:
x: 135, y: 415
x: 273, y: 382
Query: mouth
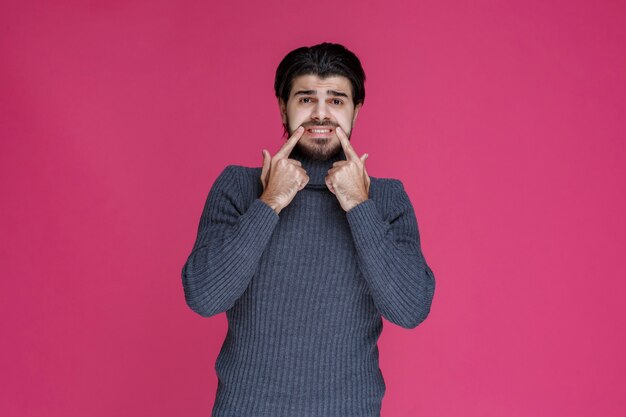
x: 319, y: 131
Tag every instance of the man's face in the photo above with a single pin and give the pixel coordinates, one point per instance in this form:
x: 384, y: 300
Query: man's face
x: 319, y: 103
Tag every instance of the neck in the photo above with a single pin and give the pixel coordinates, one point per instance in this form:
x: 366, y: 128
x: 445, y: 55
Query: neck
x: 315, y: 169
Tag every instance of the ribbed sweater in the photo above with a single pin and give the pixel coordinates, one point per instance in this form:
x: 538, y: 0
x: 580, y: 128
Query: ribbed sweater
x: 305, y: 292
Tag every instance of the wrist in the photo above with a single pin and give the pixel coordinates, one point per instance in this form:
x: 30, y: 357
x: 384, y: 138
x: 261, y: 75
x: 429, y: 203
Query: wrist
x: 355, y: 203
x: 271, y: 203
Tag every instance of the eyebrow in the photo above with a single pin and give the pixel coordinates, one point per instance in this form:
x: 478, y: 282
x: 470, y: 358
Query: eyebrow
x: 313, y: 92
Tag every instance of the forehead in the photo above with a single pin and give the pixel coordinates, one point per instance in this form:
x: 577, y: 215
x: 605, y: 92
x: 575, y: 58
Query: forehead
x: 314, y: 82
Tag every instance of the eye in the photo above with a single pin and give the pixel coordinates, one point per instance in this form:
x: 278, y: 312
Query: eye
x: 337, y: 101
x: 304, y: 98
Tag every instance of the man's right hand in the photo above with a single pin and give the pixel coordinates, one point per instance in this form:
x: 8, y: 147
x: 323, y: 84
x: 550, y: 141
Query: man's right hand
x: 282, y: 177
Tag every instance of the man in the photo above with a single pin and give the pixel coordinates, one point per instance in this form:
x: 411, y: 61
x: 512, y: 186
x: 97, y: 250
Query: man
x: 305, y: 255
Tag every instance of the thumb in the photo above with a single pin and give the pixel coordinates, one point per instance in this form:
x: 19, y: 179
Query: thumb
x: 363, y: 159
x: 266, y: 158
x: 266, y: 166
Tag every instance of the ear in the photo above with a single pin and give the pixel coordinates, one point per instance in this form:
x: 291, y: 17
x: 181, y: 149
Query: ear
x: 356, y: 111
x: 282, y: 108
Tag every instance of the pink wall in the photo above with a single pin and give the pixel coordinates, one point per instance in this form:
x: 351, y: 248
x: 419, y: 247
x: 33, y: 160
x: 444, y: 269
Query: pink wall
x: 504, y: 120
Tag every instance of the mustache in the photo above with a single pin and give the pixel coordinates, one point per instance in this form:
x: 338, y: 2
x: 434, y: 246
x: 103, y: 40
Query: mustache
x: 306, y: 125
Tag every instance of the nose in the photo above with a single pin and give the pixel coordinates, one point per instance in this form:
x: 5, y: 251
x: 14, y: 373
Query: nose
x: 320, y: 112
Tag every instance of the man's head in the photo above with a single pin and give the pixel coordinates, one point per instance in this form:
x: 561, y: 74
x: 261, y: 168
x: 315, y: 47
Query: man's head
x: 321, y: 86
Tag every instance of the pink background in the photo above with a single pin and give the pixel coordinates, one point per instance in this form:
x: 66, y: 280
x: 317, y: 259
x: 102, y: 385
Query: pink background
x: 504, y: 120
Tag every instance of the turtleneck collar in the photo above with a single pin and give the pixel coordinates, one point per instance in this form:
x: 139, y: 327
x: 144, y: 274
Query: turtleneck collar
x: 316, y: 170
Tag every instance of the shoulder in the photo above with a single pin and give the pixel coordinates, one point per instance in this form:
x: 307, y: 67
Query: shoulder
x: 231, y: 186
x: 229, y: 177
x: 385, y: 188
x: 390, y: 196
x: 242, y: 173
x: 248, y: 178
x: 389, y: 183
x: 249, y: 172
x: 229, y: 171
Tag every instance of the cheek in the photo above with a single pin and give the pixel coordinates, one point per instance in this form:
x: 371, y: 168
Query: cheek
x: 297, y: 117
x: 343, y: 119
x: 345, y: 124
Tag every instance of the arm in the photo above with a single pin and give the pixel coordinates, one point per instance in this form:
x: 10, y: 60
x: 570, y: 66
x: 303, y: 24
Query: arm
x: 228, y: 246
x: 391, y: 261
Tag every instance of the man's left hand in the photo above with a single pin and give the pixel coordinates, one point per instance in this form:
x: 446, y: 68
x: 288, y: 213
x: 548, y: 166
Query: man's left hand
x: 348, y: 179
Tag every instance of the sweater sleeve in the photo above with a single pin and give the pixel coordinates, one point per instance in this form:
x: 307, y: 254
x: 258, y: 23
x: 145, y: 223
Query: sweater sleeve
x: 391, y: 261
x: 228, y: 247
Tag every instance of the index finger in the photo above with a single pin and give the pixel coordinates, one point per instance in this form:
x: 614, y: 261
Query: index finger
x: 345, y: 143
x: 285, y: 150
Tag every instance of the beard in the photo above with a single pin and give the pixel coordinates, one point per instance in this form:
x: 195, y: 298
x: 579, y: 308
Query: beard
x: 317, y: 149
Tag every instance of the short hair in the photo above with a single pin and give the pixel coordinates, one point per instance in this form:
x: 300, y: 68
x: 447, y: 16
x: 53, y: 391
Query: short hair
x: 324, y: 60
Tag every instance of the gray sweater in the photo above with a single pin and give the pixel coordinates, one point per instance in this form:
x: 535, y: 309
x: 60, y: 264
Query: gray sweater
x: 304, y: 292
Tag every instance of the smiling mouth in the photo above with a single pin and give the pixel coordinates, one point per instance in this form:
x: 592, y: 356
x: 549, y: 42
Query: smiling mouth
x: 319, y: 131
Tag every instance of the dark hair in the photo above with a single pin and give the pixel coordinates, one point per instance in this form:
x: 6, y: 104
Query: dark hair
x: 324, y: 60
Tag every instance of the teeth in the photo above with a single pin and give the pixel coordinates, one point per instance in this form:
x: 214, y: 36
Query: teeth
x: 320, y: 130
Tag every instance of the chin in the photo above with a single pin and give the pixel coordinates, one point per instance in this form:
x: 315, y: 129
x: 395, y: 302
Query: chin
x: 315, y: 153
